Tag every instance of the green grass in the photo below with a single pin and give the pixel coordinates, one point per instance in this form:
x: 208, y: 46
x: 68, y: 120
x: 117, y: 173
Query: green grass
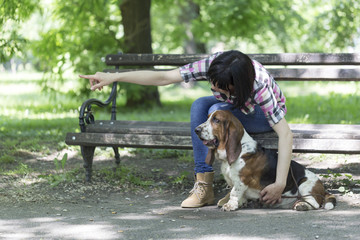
x: 333, y: 108
x: 123, y: 175
x: 36, y: 122
x: 322, y: 102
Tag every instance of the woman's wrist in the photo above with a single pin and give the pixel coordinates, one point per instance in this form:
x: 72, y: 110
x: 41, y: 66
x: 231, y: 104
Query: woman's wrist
x: 112, y: 77
x: 280, y: 183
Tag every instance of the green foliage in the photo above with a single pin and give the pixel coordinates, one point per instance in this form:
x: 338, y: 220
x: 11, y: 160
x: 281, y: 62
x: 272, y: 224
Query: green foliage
x: 60, y: 164
x: 85, y: 32
x: 21, y: 169
x: 258, y: 22
x: 125, y: 175
x: 333, y: 108
x: 184, y: 156
x: 169, y: 36
x: 6, y: 159
x: 12, y: 14
x: 60, y: 175
x: 259, y: 26
x: 161, y: 153
x: 344, y: 182
x: 180, y: 180
x: 333, y: 25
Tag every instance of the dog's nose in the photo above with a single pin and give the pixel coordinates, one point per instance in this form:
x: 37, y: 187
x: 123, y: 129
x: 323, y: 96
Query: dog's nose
x: 198, y: 130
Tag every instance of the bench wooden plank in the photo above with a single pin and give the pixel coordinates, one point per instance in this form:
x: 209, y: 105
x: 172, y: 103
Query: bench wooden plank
x: 337, y: 146
x: 308, y: 58
x: 129, y: 140
x: 296, y: 74
x: 140, y: 127
x: 266, y: 59
x: 300, y: 144
x: 315, y: 74
x: 326, y: 138
x: 315, y: 131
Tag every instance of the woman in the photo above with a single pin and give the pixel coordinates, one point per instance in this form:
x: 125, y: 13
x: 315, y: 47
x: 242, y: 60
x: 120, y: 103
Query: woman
x: 240, y: 85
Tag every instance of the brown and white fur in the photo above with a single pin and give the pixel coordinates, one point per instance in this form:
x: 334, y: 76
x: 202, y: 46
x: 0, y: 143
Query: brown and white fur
x: 247, y: 168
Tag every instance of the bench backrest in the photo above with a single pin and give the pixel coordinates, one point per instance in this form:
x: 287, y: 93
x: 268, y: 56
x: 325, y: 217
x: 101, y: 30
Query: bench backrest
x: 283, y: 66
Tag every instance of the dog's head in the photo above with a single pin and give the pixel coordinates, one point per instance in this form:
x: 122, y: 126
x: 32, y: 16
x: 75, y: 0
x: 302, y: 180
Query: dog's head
x: 222, y: 131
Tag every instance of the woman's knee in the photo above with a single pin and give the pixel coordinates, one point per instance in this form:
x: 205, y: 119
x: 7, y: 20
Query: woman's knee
x: 202, y: 105
x: 220, y: 106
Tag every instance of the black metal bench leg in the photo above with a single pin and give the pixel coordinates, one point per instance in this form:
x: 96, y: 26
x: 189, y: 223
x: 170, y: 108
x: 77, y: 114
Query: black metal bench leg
x: 88, y: 156
x: 117, y: 155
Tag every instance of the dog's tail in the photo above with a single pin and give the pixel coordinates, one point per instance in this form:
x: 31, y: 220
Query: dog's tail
x: 330, y: 201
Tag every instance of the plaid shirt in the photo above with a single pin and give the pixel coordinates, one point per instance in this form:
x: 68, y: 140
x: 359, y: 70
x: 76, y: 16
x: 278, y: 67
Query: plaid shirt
x: 266, y: 93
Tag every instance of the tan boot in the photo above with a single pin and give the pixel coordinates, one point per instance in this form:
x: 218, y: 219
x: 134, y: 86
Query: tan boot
x: 203, y: 193
x: 224, y: 200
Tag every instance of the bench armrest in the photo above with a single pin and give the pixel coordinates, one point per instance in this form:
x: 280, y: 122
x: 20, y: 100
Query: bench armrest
x: 86, y: 116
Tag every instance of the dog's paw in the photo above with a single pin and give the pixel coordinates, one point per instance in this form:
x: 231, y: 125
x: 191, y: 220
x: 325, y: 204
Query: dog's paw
x: 302, y: 206
x: 224, y: 200
x: 230, y: 206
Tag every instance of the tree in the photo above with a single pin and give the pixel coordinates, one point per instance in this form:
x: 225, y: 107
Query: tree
x: 263, y: 25
x: 172, y: 27
x: 332, y: 26
x: 190, y: 12
x: 137, y: 38
x: 256, y: 23
x: 83, y: 32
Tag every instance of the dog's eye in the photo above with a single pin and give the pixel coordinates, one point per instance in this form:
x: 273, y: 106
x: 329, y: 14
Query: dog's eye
x: 215, y: 120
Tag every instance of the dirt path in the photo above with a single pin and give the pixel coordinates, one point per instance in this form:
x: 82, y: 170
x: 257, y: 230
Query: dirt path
x: 158, y: 216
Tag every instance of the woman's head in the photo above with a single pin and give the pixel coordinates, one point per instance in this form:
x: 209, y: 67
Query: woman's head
x: 233, y: 71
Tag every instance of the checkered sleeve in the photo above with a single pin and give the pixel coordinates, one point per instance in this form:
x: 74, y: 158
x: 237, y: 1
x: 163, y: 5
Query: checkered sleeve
x: 272, y: 102
x: 268, y: 95
x: 197, y: 70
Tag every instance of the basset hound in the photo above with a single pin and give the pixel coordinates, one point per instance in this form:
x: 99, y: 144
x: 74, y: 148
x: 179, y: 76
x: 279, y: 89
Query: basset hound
x: 248, y: 168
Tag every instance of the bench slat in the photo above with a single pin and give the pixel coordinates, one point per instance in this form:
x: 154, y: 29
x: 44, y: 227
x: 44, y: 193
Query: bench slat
x: 297, y: 74
x: 310, y: 131
x: 344, y: 146
x: 326, y: 138
x: 140, y: 127
x: 266, y: 59
x: 300, y: 145
x: 315, y: 74
x: 129, y: 140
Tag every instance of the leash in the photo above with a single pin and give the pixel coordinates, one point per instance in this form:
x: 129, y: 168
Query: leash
x: 301, y: 198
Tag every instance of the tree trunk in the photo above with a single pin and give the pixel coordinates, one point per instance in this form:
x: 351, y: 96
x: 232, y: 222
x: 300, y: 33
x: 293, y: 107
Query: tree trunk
x: 191, y: 11
x: 137, y: 37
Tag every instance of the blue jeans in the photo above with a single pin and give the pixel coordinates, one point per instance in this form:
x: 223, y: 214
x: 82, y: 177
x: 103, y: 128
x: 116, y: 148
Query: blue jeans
x: 253, y: 123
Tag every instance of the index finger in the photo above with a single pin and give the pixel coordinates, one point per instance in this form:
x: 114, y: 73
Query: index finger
x: 87, y: 76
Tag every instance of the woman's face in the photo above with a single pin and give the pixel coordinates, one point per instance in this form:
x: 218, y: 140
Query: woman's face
x: 227, y: 93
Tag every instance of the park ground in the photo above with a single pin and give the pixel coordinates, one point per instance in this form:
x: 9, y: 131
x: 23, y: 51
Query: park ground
x: 148, y: 207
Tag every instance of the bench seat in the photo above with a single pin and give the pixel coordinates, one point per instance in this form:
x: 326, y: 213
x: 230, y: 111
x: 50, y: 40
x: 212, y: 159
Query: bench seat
x: 322, y: 138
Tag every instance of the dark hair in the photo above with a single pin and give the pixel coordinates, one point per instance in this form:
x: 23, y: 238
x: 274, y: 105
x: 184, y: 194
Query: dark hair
x: 233, y: 68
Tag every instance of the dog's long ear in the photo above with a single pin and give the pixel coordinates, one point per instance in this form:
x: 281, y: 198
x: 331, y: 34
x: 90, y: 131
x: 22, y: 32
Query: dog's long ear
x: 210, y: 157
x: 233, y: 141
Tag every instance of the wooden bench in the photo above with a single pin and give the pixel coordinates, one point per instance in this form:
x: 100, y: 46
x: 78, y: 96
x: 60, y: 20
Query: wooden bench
x: 308, y: 138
